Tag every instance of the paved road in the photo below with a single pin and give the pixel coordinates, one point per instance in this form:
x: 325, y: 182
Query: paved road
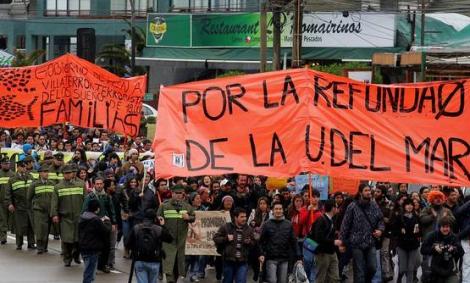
x: 26, y: 266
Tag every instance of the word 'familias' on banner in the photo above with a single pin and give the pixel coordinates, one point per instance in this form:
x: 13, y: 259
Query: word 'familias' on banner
x: 70, y: 89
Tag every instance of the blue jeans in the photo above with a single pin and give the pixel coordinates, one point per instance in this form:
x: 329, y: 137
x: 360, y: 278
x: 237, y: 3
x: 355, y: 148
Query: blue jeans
x: 197, y: 265
x: 364, y: 264
x: 146, y: 272
x: 89, y: 271
x: 237, y: 271
x: 378, y: 273
x: 125, y: 229
x: 309, y: 265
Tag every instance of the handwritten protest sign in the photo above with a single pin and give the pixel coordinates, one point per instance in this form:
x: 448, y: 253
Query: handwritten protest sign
x: 287, y: 122
x: 70, y: 89
x: 201, y: 232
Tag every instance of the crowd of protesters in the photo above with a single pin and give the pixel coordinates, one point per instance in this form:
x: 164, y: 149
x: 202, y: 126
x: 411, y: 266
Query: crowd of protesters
x: 271, y: 232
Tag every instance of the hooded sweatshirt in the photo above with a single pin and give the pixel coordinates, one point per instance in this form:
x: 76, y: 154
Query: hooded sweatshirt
x: 91, y: 233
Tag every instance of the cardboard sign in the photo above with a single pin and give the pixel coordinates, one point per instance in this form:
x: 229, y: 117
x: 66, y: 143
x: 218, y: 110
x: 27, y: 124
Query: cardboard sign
x: 70, y: 89
x: 283, y: 123
x: 199, y: 240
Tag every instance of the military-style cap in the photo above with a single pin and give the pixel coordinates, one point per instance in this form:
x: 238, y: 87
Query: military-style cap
x: 43, y: 168
x: 4, y: 158
x: 20, y: 163
x: 178, y: 188
x: 69, y: 168
x: 28, y: 158
x: 59, y: 156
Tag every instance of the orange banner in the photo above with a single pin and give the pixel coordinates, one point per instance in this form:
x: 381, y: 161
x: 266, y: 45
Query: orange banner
x: 70, y: 89
x: 283, y: 123
x: 344, y: 185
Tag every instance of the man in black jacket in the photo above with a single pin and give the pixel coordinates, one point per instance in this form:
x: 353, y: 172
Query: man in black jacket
x: 92, y: 237
x: 237, y: 239
x: 145, y: 242
x: 323, y: 232
x: 277, y: 241
x: 445, y: 250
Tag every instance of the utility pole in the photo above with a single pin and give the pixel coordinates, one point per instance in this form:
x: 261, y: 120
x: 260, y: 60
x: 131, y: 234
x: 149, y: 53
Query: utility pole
x: 423, y: 31
x: 263, y: 37
x: 297, y: 35
x: 276, y: 38
x: 132, y: 2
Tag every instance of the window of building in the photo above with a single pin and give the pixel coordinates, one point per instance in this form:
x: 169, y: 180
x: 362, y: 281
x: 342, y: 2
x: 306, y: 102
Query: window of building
x: 67, y: 7
x: 209, y: 5
x: 123, y: 7
x: 3, y: 42
x: 20, y: 42
x: 5, y: 1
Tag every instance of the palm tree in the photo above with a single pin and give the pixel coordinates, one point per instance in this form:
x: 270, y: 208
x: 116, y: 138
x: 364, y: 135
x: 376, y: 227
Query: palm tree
x: 117, y: 59
x: 23, y: 59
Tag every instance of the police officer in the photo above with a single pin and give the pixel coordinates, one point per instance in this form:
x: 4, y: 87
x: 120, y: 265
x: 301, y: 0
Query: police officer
x: 176, y: 213
x: 29, y: 161
x: 55, y: 175
x: 5, y: 174
x: 55, y: 171
x: 66, y: 205
x: 16, y: 199
x: 40, y: 196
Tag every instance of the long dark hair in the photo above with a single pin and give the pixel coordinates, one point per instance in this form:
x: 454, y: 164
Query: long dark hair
x: 258, y: 213
x: 291, y: 211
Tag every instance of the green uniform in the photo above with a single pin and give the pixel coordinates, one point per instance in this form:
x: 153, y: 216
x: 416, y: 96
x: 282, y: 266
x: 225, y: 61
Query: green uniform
x: 55, y: 175
x: 35, y: 175
x: 4, y: 179
x: 67, y: 202
x: 172, y: 211
x: 40, y: 196
x: 17, y: 196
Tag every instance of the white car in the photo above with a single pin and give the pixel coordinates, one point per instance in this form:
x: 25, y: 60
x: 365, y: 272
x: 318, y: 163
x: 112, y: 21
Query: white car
x: 149, y: 111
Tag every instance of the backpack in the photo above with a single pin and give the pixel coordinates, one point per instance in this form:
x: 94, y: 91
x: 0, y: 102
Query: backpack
x: 148, y: 242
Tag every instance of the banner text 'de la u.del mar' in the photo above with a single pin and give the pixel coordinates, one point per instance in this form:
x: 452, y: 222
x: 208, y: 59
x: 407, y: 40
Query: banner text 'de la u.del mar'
x: 70, y: 89
x: 287, y: 122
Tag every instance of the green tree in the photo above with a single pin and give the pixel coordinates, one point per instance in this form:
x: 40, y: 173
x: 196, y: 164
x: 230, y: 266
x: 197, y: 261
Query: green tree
x: 117, y: 59
x: 23, y: 59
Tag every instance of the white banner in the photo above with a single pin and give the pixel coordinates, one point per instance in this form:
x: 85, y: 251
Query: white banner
x: 343, y: 29
x: 199, y: 240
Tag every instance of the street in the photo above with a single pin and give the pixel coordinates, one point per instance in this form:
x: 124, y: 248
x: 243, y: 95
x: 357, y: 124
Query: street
x: 26, y: 266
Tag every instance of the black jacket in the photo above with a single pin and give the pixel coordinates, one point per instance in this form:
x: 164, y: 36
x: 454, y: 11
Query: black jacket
x: 409, y: 240
x: 323, y: 232
x: 92, y: 233
x: 230, y: 249
x: 278, y: 240
x: 437, y: 237
x: 138, y: 205
x: 163, y: 235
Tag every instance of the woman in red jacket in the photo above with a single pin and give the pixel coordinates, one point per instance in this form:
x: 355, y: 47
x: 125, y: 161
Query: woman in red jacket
x: 298, y: 216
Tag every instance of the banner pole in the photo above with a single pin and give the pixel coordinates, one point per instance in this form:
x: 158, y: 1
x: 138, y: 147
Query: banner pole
x: 310, y: 193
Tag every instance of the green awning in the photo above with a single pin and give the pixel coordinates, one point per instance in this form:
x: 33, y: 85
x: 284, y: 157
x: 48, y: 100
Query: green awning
x: 253, y: 54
